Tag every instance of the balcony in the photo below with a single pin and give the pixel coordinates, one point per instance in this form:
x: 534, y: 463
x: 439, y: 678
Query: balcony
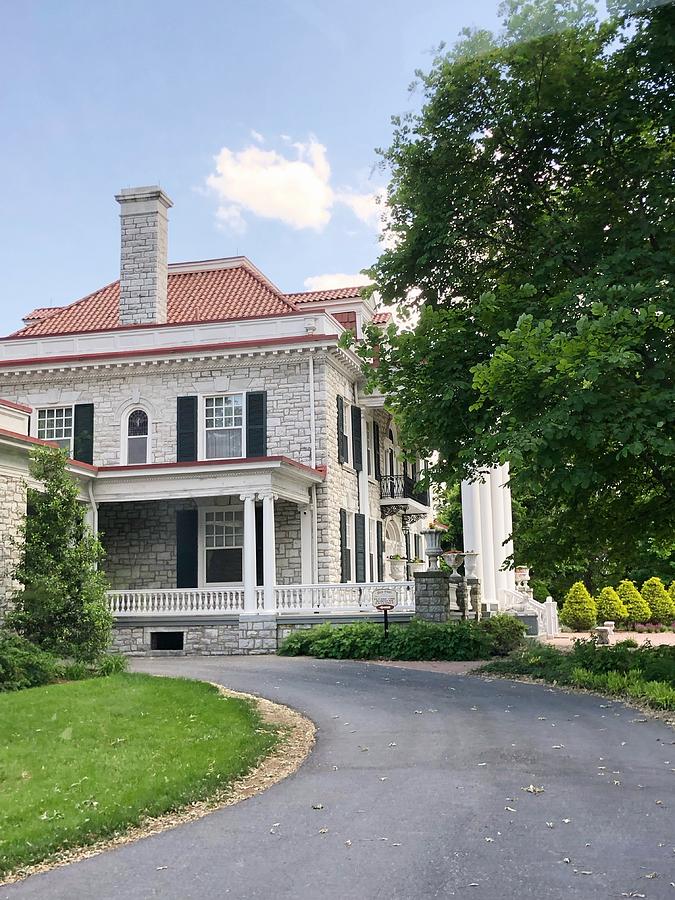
x: 399, y: 493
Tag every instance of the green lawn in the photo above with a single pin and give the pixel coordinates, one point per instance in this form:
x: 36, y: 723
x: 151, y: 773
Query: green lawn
x: 82, y: 760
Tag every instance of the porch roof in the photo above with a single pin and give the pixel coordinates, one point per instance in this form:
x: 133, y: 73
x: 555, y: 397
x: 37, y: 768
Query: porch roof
x: 280, y: 475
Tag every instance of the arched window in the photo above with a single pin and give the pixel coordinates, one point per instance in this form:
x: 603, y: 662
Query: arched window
x: 137, y: 437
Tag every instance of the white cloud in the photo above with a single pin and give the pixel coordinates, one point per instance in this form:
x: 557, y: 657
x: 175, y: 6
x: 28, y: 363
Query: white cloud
x: 335, y: 280
x: 293, y: 187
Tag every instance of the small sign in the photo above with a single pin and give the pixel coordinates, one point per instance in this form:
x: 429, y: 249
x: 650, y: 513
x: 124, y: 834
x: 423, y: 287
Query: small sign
x: 384, y: 599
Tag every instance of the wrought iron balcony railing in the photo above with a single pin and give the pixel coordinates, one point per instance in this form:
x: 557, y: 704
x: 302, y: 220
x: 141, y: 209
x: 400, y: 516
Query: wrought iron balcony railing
x: 402, y: 487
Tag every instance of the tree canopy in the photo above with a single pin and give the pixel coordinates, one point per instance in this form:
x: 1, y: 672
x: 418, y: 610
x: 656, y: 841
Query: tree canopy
x: 530, y: 252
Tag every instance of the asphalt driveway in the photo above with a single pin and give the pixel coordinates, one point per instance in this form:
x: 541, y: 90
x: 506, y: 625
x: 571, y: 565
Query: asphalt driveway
x: 421, y: 781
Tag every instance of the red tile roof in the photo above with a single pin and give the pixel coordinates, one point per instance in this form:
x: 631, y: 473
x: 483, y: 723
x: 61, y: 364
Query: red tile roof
x: 236, y: 291
x: 42, y: 312
x: 381, y: 318
x: 343, y: 293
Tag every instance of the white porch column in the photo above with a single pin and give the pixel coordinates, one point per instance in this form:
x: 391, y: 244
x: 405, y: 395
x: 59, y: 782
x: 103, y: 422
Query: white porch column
x: 498, y: 534
x: 471, y: 523
x: 249, y: 552
x: 487, y: 538
x: 269, y: 553
x: 508, y: 525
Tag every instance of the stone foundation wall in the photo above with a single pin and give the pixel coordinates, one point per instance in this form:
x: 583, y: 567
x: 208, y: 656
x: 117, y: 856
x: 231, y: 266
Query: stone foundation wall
x: 12, y: 511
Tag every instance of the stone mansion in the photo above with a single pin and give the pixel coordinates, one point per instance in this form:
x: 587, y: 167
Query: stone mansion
x: 226, y: 451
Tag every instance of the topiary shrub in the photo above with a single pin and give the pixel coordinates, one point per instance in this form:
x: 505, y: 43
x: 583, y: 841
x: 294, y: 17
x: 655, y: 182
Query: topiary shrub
x: 671, y: 592
x: 579, y: 611
x: 656, y: 597
x: 638, y: 609
x: 611, y: 607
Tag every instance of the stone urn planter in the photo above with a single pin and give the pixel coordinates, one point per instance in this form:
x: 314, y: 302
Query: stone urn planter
x: 471, y: 565
x: 397, y: 566
x: 454, y: 559
x: 416, y: 565
x: 432, y: 541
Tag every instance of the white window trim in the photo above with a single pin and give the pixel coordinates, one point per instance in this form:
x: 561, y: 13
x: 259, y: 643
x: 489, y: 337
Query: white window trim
x: 201, y: 422
x: 34, y: 422
x: 201, y: 537
x: 124, y: 449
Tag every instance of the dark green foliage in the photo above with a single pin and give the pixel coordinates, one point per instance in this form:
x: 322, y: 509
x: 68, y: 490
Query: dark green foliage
x: 418, y: 640
x: 62, y: 607
x: 646, y: 673
x: 23, y: 665
x: 530, y: 224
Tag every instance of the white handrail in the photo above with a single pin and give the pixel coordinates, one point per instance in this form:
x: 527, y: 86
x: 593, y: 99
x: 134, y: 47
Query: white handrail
x: 175, y: 601
x: 342, y: 597
x: 546, y: 613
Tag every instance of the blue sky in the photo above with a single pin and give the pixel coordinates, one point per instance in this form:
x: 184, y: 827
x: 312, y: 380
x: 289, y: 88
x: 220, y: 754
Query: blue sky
x: 259, y: 119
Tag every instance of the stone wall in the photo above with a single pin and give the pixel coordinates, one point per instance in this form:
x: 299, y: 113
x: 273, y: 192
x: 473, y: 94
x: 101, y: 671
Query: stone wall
x: 287, y: 532
x: 12, y: 511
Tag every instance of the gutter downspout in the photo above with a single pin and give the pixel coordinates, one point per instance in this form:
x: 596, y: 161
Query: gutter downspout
x: 94, y: 508
x: 312, y: 412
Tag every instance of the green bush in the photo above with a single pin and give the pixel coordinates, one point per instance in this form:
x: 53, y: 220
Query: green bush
x: 658, y: 600
x: 420, y: 640
x: 111, y: 664
x: 506, y: 633
x: 579, y: 611
x: 638, y: 609
x: 23, y: 664
x: 611, y: 607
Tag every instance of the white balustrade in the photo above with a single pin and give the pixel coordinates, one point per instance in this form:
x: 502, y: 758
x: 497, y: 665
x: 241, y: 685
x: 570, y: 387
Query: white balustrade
x: 546, y: 613
x: 320, y: 598
x: 176, y: 601
x: 341, y: 597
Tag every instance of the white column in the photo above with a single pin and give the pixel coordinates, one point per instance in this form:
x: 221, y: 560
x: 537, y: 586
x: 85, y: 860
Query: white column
x: 249, y: 552
x: 508, y: 525
x: 498, y: 534
x: 269, y: 552
x: 471, y: 523
x: 487, y: 539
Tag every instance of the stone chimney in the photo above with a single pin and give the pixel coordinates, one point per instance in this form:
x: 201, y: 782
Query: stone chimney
x: 144, y: 265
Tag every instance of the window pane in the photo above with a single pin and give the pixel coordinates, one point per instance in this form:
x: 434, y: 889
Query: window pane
x: 137, y: 450
x: 56, y: 425
x: 223, y: 443
x: 138, y: 423
x: 224, y: 565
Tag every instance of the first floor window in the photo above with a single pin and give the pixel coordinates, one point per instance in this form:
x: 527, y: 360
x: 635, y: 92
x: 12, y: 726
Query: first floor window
x: 56, y: 424
x: 224, y: 426
x: 137, y: 437
x: 224, y: 543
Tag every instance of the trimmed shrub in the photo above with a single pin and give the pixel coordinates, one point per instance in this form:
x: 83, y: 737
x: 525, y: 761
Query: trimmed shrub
x: 24, y: 665
x: 611, y: 607
x: 656, y: 597
x: 671, y: 592
x: 638, y: 609
x: 579, y: 611
x: 418, y: 640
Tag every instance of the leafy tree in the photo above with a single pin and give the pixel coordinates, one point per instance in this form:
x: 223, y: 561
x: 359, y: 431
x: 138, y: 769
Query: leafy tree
x: 637, y: 606
x: 579, y: 611
x: 657, y: 598
x: 611, y: 607
x: 530, y: 246
x: 62, y: 605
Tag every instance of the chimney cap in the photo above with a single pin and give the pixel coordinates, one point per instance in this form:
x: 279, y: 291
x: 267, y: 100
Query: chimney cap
x: 144, y: 194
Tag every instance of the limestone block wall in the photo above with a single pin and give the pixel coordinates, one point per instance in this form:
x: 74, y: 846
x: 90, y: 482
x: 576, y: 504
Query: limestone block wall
x: 288, y: 546
x: 116, y: 390
x: 12, y: 511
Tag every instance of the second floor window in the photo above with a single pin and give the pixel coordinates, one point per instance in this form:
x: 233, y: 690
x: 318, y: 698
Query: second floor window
x: 224, y: 426
x: 137, y: 437
x: 56, y: 424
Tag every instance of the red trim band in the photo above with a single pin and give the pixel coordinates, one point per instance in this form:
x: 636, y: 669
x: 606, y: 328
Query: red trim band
x: 20, y: 406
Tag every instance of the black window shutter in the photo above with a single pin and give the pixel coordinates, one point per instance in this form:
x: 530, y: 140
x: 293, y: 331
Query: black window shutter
x: 380, y: 551
x: 376, y: 451
x: 186, y: 429
x: 345, y: 559
x: 256, y: 423
x: 357, y: 439
x: 341, y: 429
x: 259, y: 556
x: 187, y: 549
x: 83, y: 433
x: 360, y: 546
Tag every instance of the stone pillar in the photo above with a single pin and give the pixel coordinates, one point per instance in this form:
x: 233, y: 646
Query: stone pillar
x: 432, y: 595
x: 475, y: 600
x: 12, y: 512
x: 249, y: 552
x: 269, y: 553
